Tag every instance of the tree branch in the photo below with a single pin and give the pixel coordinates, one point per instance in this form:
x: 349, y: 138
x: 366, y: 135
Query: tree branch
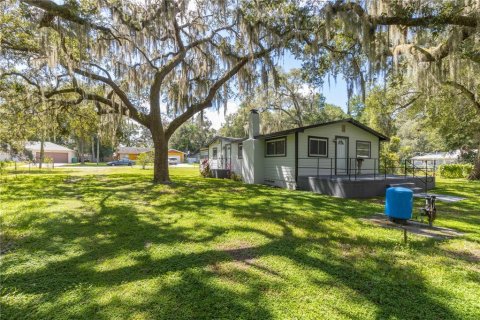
x: 464, y: 90
x: 431, y: 54
x: 207, y: 101
x: 116, y: 107
x: 65, y: 12
x: 135, y: 114
x: 407, y: 21
x: 24, y: 77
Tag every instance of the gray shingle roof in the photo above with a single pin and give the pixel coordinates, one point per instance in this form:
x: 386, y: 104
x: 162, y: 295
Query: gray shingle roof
x: 47, y: 146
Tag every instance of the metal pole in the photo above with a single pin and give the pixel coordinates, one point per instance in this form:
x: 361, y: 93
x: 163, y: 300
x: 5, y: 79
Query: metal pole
x: 426, y: 175
x: 385, y: 168
x: 356, y: 168
x: 349, y: 171
x: 331, y: 168
x: 318, y: 165
x: 374, y: 167
x: 405, y: 169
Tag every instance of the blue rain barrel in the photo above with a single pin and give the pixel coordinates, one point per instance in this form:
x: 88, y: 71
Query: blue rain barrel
x: 399, y: 203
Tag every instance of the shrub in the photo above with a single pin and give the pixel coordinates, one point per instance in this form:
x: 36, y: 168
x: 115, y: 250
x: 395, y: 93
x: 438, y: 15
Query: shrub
x: 3, y: 167
x: 48, y: 162
x: 455, y: 170
x: 205, y: 168
x: 235, y: 177
x: 145, y: 159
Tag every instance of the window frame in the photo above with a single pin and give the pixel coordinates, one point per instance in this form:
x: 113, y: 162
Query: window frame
x: 369, y: 149
x: 240, y: 151
x: 214, y: 153
x: 317, y: 138
x: 267, y: 141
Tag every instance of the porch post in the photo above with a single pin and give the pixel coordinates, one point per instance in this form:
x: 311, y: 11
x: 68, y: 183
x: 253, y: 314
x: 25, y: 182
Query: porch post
x: 385, y: 167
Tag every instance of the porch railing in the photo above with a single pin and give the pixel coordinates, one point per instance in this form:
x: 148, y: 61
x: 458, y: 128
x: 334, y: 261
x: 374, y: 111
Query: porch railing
x: 220, y: 163
x: 354, y: 168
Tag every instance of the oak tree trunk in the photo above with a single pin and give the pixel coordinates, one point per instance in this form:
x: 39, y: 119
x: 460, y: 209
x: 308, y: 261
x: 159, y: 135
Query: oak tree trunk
x: 160, y: 160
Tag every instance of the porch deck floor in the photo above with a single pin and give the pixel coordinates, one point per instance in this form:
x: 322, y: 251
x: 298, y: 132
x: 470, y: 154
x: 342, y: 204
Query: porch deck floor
x: 361, y: 186
x: 362, y: 177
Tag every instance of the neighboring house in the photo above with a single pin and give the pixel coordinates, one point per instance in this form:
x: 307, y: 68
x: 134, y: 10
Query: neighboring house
x: 130, y: 153
x: 177, y: 154
x: 5, y: 156
x: 193, y: 157
x: 437, y: 158
x: 58, y: 153
x: 133, y: 152
x: 289, y: 158
x: 203, y: 153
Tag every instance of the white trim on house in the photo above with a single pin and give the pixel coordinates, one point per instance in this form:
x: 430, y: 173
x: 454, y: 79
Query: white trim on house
x: 283, y: 168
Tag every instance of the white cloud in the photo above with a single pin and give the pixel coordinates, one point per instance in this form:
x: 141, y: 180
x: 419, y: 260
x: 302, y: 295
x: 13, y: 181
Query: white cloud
x: 218, y: 116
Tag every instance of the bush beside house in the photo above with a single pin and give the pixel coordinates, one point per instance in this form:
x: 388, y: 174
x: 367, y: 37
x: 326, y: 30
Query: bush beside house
x: 453, y: 171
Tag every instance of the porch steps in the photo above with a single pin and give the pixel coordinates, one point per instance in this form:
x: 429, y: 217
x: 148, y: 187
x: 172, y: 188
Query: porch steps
x: 408, y: 185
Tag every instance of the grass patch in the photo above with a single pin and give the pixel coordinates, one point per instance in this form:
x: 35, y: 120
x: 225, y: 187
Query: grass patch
x: 85, y: 164
x: 108, y: 244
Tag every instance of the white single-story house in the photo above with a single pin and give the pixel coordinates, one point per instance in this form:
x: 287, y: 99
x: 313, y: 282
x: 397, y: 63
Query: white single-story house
x: 438, y: 158
x: 283, y: 159
x: 5, y: 156
x: 58, y: 153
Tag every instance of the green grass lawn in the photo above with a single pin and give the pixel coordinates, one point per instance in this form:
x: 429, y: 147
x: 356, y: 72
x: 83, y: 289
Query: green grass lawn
x: 85, y: 164
x: 108, y: 244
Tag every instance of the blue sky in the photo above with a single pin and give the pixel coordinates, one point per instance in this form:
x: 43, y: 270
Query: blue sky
x: 336, y: 94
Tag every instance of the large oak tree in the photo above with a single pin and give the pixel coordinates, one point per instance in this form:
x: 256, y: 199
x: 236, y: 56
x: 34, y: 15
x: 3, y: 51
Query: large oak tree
x: 159, y: 62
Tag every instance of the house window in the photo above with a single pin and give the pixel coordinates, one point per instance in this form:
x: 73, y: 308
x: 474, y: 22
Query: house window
x: 276, y: 147
x: 240, y: 151
x: 317, y: 147
x: 363, y: 149
x: 214, y: 153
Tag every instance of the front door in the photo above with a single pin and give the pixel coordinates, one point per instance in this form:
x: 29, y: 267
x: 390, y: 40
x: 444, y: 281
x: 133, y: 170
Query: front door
x: 341, y: 155
x: 226, y: 156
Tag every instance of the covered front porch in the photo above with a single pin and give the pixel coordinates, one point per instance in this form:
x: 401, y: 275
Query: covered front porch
x: 363, y: 178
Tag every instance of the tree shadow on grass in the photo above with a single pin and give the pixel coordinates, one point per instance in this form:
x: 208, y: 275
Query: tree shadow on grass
x: 123, y: 232
x: 193, y: 282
